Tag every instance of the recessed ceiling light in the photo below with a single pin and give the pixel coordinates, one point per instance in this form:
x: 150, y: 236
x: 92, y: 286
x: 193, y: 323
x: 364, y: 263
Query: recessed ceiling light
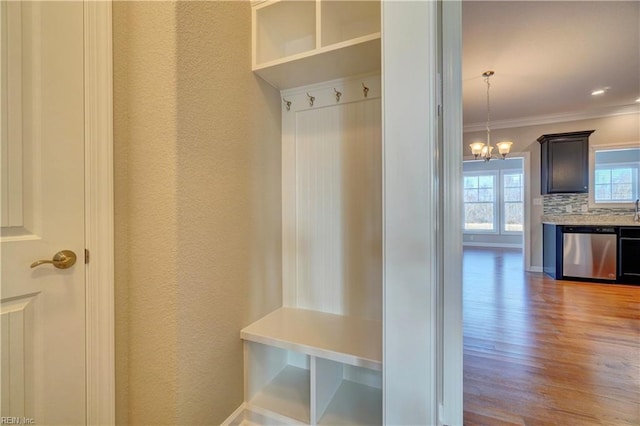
x: 638, y: 100
x: 597, y: 92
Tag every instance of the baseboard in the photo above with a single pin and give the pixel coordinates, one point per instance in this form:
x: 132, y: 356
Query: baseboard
x: 236, y: 417
x: 535, y: 269
x: 248, y: 415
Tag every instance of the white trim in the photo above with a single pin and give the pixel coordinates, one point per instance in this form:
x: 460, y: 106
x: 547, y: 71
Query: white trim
x: 528, y: 202
x: 450, y: 410
x: 100, y: 345
x: 410, y: 203
x: 248, y: 414
x: 556, y: 118
x: 270, y: 416
x: 235, y: 417
x: 535, y: 269
x: 494, y: 245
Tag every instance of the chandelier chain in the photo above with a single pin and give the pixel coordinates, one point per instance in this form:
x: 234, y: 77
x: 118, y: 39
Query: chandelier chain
x: 486, y: 79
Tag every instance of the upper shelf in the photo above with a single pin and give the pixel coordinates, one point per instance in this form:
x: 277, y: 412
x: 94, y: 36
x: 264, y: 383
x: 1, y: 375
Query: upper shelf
x: 339, y: 338
x: 296, y: 42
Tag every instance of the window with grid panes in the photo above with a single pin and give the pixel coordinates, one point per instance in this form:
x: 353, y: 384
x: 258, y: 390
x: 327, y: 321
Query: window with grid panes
x: 513, y: 202
x: 616, y: 183
x: 480, y: 202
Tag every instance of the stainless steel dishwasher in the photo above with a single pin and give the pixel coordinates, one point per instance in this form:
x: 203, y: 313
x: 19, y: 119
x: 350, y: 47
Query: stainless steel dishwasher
x: 589, y: 252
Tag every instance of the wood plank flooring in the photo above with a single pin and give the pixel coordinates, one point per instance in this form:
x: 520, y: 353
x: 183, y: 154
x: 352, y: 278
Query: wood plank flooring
x: 544, y: 352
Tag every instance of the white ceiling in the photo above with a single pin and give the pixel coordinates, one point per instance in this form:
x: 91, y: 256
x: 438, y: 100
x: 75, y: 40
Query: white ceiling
x: 548, y: 57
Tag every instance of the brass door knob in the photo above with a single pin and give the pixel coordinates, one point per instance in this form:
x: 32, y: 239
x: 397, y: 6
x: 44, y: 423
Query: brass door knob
x: 62, y: 260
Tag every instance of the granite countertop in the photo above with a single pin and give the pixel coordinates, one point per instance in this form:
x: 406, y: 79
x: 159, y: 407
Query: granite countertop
x: 585, y: 219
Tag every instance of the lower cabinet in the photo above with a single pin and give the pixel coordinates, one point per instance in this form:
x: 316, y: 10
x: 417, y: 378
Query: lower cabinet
x: 629, y: 255
x: 601, y: 253
x: 552, y: 250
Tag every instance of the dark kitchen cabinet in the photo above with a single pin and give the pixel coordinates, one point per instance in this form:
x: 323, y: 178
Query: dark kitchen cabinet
x: 565, y: 162
x: 628, y: 255
x: 552, y: 250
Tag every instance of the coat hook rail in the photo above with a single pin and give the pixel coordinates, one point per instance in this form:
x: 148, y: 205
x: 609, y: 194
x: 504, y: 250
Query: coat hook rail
x: 312, y: 99
x: 338, y: 94
x: 287, y: 104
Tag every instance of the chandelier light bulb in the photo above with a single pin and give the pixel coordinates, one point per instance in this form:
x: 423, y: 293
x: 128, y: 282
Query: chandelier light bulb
x: 504, y: 148
x: 476, y: 148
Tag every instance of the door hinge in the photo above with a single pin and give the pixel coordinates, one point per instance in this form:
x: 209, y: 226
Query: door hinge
x: 86, y: 256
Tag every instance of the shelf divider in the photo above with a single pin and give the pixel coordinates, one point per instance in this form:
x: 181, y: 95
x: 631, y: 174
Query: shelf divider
x: 326, y: 377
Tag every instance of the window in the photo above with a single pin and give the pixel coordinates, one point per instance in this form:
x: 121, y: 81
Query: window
x: 479, y: 202
x: 494, y: 201
x: 616, y: 184
x: 513, y: 205
x: 614, y: 177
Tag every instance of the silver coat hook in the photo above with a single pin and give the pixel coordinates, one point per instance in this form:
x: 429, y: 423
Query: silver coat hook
x: 311, y: 99
x: 338, y: 94
x: 365, y: 90
x: 287, y: 104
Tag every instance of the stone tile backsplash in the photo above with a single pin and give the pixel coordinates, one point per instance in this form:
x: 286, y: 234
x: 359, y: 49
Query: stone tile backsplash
x: 556, y: 204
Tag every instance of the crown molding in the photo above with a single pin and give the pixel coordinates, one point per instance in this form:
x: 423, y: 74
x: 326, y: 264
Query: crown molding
x: 557, y: 118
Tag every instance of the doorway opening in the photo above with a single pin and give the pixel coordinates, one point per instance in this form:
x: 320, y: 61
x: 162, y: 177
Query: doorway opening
x: 494, y: 207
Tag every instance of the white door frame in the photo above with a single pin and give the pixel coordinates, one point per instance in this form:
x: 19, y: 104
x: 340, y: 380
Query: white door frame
x: 422, y: 203
x: 422, y: 172
x: 99, y: 230
x: 450, y: 407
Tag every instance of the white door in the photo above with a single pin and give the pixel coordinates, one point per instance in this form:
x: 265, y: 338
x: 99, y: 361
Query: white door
x: 42, y: 308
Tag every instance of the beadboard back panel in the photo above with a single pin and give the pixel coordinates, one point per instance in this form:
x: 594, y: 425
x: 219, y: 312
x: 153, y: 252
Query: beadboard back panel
x: 332, y: 199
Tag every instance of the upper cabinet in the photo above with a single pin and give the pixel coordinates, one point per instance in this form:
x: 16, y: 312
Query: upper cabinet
x: 564, y: 162
x: 297, y: 43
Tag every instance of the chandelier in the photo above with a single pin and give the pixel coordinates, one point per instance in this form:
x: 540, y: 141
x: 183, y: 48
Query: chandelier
x: 479, y: 149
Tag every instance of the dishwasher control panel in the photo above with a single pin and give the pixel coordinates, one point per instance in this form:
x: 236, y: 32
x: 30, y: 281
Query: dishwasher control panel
x: 589, y: 229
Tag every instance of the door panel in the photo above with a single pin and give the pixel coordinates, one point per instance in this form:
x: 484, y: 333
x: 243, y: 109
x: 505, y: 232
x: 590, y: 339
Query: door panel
x: 12, y: 188
x: 43, y: 309
x: 17, y: 320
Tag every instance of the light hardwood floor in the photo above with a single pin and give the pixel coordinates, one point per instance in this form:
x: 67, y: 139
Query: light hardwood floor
x: 544, y: 352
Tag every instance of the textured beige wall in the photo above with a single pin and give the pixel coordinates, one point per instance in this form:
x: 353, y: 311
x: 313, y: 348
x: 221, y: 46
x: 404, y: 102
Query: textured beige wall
x: 197, y: 145
x: 609, y: 130
x: 145, y: 132
x: 228, y: 205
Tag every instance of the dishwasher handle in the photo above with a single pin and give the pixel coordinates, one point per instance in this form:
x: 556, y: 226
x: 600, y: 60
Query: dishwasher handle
x: 589, y: 230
